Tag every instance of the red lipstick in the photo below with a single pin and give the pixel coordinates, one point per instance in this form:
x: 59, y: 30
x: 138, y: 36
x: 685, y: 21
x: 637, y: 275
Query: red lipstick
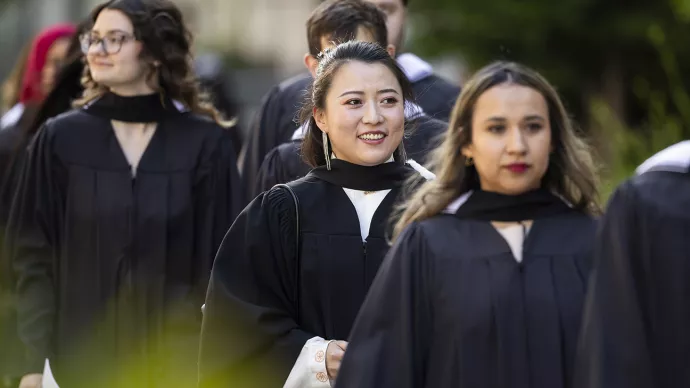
x: 518, y: 168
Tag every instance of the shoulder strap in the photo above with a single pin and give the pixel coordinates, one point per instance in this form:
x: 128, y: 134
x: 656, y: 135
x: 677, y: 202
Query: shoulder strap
x: 297, y: 246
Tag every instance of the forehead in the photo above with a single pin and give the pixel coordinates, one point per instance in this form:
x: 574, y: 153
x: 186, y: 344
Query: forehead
x: 386, y: 3
x: 361, y: 76
x: 363, y: 34
x: 510, y: 101
x: 110, y: 20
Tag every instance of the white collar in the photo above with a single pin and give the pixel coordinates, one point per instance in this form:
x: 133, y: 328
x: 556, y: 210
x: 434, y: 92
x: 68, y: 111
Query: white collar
x: 12, y: 116
x: 673, y: 158
x: 415, y: 68
x: 453, y: 207
x: 412, y: 111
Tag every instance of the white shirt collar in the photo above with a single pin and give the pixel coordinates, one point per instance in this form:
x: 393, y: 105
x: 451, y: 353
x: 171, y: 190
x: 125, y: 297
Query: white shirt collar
x: 673, y: 158
x: 415, y: 68
x: 12, y: 116
x: 453, y: 207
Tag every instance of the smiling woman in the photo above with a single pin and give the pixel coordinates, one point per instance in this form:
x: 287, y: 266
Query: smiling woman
x: 312, y: 257
x: 356, y: 110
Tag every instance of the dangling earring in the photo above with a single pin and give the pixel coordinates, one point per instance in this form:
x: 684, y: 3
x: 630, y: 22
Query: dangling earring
x: 469, y: 161
x: 325, y: 150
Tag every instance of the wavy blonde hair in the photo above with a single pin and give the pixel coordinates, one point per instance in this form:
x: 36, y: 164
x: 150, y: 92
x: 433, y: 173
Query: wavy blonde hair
x: 159, y: 25
x: 571, y: 173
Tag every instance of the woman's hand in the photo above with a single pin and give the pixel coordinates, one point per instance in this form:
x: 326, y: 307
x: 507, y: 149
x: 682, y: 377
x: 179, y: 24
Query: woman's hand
x: 334, y: 356
x: 33, y: 380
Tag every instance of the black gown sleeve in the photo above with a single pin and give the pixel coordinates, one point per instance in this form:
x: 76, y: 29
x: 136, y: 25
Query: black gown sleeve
x: 250, y: 335
x: 271, y: 173
x: 262, y: 136
x: 33, y: 236
x: 613, y: 351
x: 282, y: 165
x: 222, y: 199
x: 390, y: 339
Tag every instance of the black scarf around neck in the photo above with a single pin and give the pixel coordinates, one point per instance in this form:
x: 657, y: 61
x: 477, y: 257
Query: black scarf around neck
x: 134, y: 109
x: 490, y: 206
x: 365, y: 178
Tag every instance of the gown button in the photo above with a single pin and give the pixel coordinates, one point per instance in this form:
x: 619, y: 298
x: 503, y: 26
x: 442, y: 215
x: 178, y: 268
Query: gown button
x: 322, y: 377
x: 320, y: 356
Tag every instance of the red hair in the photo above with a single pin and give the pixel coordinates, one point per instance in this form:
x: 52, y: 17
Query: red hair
x: 31, y: 82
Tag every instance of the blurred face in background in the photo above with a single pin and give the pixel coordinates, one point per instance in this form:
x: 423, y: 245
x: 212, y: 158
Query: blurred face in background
x: 54, y: 60
x: 114, y: 54
x: 363, y: 35
x: 396, y: 12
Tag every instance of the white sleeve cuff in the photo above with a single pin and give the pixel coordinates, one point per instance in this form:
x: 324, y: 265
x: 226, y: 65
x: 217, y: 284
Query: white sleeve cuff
x: 309, y: 370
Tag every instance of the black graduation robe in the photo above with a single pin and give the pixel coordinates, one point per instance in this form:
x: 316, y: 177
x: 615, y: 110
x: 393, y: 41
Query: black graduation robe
x: 265, y: 300
x: 451, y: 307
x: 635, y: 332
x: 275, y: 122
x: 110, y: 270
x: 13, y: 142
x: 284, y: 163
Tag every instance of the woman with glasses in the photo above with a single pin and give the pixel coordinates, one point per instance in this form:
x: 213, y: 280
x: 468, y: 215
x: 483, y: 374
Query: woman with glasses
x: 121, y: 207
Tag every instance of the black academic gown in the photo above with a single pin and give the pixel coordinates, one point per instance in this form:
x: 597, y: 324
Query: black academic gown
x: 265, y: 300
x: 451, y: 307
x: 111, y: 270
x: 275, y: 122
x: 12, y: 144
x: 637, y: 316
x: 284, y: 163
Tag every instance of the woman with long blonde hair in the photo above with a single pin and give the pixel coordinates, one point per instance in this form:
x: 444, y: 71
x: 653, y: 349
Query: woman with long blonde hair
x: 485, y: 283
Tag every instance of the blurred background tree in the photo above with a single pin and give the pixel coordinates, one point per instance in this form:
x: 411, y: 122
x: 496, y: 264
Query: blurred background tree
x: 621, y: 66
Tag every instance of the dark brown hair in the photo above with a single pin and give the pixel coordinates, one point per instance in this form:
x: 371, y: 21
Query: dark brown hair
x: 331, y: 61
x: 159, y: 26
x: 338, y: 21
x: 571, y: 173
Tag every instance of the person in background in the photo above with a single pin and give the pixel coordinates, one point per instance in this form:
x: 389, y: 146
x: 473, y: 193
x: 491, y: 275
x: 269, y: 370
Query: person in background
x: 12, y: 86
x: 121, y: 206
x: 292, y: 272
x: 340, y: 21
x: 485, y: 282
x: 45, y: 58
x: 214, y: 81
x: 637, y: 315
x: 275, y: 122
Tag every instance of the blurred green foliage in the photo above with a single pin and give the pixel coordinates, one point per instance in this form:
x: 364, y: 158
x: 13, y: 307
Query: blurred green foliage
x: 622, y: 67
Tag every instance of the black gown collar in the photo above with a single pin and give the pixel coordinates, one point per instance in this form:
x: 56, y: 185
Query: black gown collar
x: 135, y: 109
x: 365, y: 178
x: 490, y: 206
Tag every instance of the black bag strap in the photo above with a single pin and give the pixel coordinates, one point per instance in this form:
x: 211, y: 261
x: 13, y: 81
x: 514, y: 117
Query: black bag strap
x: 297, y: 246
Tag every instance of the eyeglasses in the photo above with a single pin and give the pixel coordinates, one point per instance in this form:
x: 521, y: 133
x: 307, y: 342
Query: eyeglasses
x: 111, y: 43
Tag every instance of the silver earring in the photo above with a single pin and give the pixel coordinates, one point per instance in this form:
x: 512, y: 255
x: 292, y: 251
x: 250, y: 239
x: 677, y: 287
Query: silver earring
x: 325, y: 150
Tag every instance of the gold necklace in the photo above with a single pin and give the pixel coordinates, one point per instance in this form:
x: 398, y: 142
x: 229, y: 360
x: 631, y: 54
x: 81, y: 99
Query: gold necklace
x: 369, y: 192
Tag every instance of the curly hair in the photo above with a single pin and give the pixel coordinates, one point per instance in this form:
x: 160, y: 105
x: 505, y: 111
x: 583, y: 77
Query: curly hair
x: 571, y: 173
x: 159, y: 26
